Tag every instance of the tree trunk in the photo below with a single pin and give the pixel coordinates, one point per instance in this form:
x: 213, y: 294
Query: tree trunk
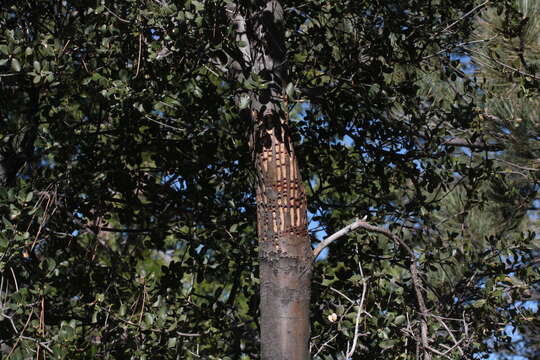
x: 284, y: 248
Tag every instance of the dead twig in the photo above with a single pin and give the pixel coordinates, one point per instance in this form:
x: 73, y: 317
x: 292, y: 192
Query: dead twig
x: 358, y: 314
x: 20, y: 335
x: 517, y: 166
x: 140, y: 53
x: 464, y: 16
x: 324, y: 345
x: 342, y: 294
x: 504, y: 65
x: 115, y: 15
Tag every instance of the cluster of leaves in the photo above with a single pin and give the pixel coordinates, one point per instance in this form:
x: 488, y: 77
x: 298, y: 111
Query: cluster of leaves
x: 140, y: 183
x: 128, y: 213
x: 474, y: 236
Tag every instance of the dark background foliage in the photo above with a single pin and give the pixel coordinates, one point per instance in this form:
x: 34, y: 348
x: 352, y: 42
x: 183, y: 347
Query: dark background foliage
x: 127, y: 206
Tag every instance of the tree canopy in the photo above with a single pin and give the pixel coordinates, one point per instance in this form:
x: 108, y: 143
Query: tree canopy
x: 127, y: 206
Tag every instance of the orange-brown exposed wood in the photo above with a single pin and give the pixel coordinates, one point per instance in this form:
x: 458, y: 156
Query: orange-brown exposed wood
x: 284, y: 249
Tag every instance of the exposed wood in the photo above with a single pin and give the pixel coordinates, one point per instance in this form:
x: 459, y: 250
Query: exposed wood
x: 284, y: 248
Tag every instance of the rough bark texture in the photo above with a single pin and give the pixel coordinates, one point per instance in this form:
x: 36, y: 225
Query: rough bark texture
x: 284, y: 249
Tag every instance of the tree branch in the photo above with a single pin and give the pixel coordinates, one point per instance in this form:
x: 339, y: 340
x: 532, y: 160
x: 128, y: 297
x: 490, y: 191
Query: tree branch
x: 347, y: 229
x: 478, y: 145
x: 417, y: 284
x: 350, y: 353
x: 464, y: 16
x: 504, y: 65
x: 462, y: 142
x: 517, y: 166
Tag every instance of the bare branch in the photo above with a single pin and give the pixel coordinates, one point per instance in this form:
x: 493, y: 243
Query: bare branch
x: 417, y: 284
x: 476, y: 145
x: 140, y: 54
x: 324, y: 345
x: 342, y: 294
x: 465, y: 15
x: 504, y: 65
x: 517, y: 166
x: 456, y: 46
x: 14, y: 279
x: 115, y: 15
x: 187, y: 334
x: 358, y: 314
x: 347, y: 229
x: 114, y: 230
x: 479, y: 145
x: 20, y: 335
x: 419, y: 298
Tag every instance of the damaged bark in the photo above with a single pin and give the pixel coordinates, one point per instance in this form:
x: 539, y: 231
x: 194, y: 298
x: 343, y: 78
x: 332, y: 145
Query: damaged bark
x: 284, y: 248
x: 285, y: 251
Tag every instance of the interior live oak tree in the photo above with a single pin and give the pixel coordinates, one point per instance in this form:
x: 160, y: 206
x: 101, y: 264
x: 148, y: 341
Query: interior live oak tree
x: 261, y: 179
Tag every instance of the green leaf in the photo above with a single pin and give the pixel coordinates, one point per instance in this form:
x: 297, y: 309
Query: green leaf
x: 198, y: 5
x: 15, y: 65
x: 124, y: 76
x: 290, y: 90
x: 148, y: 319
x: 244, y: 102
x: 171, y: 343
x: 51, y: 264
x: 479, y: 303
x: 387, y: 344
x: 400, y: 319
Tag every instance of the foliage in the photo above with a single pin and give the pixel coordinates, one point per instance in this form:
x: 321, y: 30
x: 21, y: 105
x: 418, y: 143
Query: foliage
x: 507, y: 67
x: 128, y: 212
